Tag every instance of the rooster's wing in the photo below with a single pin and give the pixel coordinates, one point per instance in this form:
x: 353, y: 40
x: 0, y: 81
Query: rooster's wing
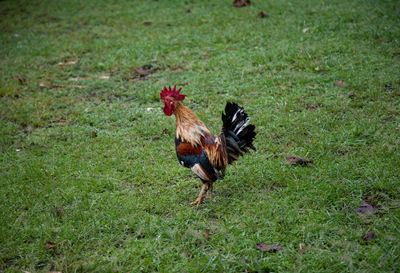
x: 195, y: 158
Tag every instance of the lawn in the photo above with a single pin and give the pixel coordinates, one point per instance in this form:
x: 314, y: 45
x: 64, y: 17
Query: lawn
x: 89, y: 180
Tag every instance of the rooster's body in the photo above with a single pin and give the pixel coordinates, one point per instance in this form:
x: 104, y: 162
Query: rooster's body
x: 196, y: 148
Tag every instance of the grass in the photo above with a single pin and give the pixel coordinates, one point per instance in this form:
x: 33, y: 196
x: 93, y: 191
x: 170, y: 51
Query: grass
x: 94, y: 171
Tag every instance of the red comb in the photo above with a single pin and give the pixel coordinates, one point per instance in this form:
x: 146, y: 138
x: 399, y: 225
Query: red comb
x: 172, y: 92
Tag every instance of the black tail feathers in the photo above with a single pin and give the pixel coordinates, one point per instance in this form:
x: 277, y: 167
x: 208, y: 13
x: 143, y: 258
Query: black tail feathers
x: 238, y: 135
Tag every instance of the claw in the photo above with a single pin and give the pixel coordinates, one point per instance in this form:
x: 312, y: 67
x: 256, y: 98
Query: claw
x: 196, y: 203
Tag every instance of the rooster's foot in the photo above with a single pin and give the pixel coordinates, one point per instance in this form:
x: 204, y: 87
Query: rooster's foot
x: 197, y: 202
x: 201, y: 195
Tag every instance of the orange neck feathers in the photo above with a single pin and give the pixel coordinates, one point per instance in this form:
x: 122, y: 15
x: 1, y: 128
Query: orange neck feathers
x: 188, y: 127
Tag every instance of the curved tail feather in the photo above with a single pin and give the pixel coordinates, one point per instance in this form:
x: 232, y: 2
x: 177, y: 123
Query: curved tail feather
x: 239, y: 135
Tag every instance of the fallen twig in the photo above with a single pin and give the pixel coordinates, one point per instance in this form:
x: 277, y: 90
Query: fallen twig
x: 67, y: 63
x: 103, y: 77
x: 42, y: 85
x: 294, y: 160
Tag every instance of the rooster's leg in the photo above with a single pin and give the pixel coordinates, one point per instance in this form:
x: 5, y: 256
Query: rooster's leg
x: 209, y: 190
x: 200, y: 198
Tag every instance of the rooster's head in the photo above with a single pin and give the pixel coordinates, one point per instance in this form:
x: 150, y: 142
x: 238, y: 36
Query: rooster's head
x: 170, y: 97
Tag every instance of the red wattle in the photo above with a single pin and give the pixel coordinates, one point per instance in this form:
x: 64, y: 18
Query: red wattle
x: 168, y: 109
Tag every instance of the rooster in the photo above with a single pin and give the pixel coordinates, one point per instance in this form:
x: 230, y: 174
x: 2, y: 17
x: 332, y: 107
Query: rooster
x: 196, y: 148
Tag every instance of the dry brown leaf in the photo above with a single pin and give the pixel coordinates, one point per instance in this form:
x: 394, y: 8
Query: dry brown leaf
x: 176, y: 68
x: 268, y: 248
x: 241, y: 3
x: 388, y: 87
x: 294, y: 160
x: 366, y: 209
x: 388, y: 118
x: 141, y: 71
x: 68, y: 63
x: 147, y: 23
x: 369, y: 236
x: 49, y: 245
x: 145, y: 70
x: 340, y: 83
x: 43, y: 85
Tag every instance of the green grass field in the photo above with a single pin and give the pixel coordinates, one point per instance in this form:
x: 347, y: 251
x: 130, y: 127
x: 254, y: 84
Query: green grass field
x: 89, y: 179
